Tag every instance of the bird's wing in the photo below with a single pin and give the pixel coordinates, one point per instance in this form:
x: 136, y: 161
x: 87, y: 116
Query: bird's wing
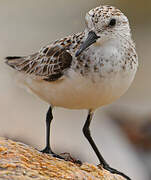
x: 48, y: 64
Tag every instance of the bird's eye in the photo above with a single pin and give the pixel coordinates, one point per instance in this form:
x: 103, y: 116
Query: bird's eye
x: 112, y: 22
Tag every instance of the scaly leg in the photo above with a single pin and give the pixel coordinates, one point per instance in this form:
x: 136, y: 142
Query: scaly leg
x: 86, y: 131
x: 48, y: 149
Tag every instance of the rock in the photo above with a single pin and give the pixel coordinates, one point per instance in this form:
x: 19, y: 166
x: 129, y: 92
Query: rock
x: 22, y: 162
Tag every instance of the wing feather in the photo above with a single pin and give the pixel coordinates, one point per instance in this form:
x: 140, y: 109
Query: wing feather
x: 49, y: 63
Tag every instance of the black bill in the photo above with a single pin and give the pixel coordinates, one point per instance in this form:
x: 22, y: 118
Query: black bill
x: 92, y: 37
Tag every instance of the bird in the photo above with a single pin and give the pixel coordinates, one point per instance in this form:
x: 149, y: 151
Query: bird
x: 86, y: 70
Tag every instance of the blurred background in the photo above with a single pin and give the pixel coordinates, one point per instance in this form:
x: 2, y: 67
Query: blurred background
x: 121, y: 130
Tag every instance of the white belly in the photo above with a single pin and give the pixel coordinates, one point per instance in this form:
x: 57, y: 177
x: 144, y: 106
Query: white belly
x: 77, y: 92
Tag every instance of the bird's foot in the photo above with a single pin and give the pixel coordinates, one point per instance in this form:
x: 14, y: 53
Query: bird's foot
x: 64, y: 156
x: 114, y: 171
x: 47, y: 150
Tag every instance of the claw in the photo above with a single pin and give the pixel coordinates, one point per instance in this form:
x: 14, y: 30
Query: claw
x: 114, y: 171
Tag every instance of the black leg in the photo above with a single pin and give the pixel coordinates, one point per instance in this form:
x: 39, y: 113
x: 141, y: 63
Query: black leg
x: 48, y: 149
x: 49, y: 118
x: 86, y: 131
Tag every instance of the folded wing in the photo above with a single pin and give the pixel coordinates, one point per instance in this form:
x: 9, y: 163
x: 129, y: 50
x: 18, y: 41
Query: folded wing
x: 48, y: 64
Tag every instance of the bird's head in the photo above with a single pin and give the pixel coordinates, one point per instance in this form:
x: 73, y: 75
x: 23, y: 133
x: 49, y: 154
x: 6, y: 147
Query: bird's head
x: 102, y: 24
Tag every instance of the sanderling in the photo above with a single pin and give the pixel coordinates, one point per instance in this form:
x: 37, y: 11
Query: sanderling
x: 86, y: 70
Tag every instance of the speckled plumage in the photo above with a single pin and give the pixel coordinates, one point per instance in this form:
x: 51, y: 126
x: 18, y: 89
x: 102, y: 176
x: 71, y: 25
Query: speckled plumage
x: 98, y: 76
x: 86, y: 70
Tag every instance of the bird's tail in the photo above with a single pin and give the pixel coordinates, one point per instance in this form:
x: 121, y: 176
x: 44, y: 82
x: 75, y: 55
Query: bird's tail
x: 16, y: 62
x: 13, y: 61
